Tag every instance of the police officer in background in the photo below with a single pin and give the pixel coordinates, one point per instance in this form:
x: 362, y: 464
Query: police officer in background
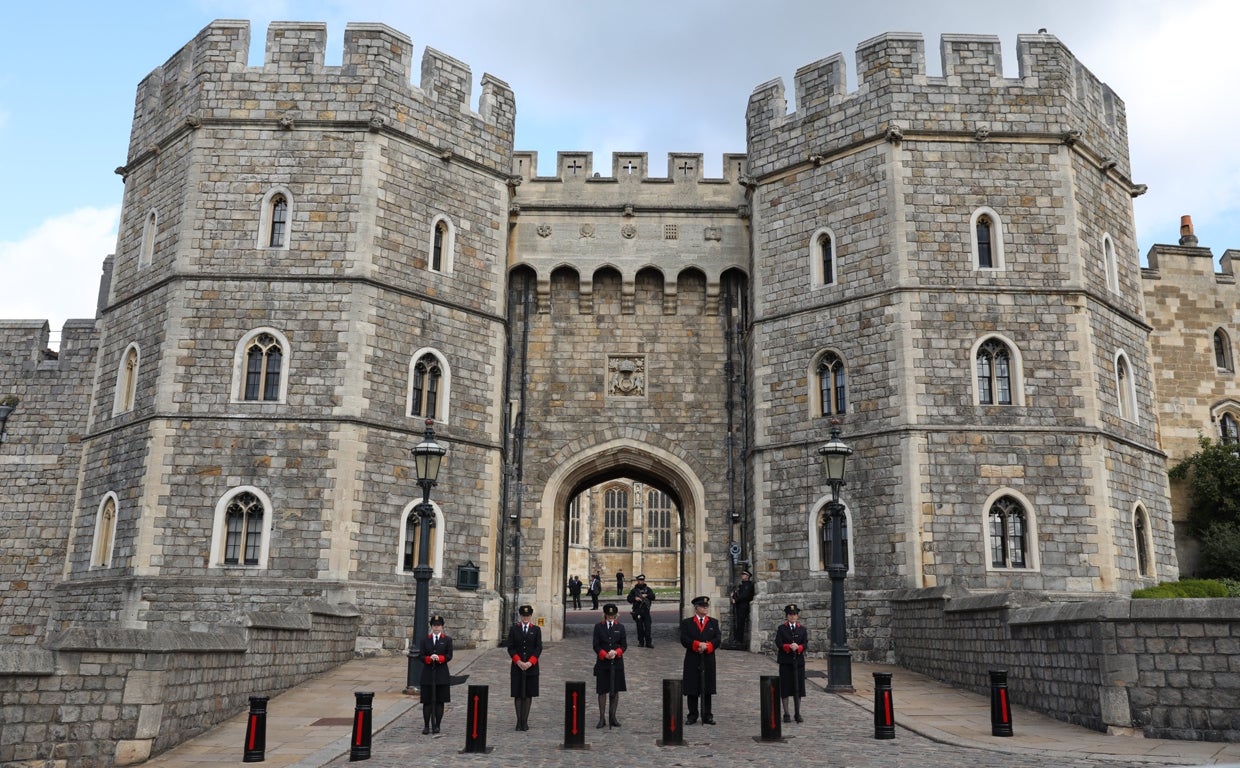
x: 436, y: 651
x: 790, y: 640
x: 641, y: 597
x: 610, y: 643
x: 742, y: 596
x: 700, y: 635
x: 525, y: 646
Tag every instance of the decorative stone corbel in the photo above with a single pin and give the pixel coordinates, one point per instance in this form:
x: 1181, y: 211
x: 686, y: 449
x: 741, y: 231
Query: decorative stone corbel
x: 1071, y: 137
x: 376, y: 123
x: 193, y: 122
x: 894, y: 134
x: 1138, y: 190
x: 286, y: 123
x: 982, y: 133
x: 1106, y: 163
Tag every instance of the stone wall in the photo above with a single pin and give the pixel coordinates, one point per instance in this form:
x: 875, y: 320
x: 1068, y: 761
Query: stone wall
x: 1166, y: 668
x: 39, y: 458
x: 103, y: 696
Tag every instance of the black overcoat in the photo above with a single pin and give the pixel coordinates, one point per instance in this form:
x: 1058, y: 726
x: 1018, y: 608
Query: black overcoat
x: 605, y: 640
x: 435, y: 673
x: 524, y: 645
x: 791, y: 663
x: 699, y: 665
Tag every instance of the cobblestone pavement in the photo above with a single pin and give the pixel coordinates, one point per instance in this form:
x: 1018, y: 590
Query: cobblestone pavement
x: 836, y: 731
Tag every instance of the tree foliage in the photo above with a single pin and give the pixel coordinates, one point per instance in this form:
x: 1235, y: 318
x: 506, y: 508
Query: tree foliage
x: 1213, y: 477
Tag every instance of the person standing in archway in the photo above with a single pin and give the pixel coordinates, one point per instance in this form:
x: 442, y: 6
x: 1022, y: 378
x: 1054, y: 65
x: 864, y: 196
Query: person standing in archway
x: 742, y: 596
x: 574, y: 590
x: 641, y: 598
x: 619, y: 582
x: 595, y: 589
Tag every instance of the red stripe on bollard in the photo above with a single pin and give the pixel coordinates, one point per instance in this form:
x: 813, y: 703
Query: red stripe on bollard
x: 253, y: 731
x: 1005, y: 714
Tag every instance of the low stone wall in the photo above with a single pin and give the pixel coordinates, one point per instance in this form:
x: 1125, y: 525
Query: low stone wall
x: 102, y: 697
x: 1169, y: 668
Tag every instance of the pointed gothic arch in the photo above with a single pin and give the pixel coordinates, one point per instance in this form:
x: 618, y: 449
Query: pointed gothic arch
x: 640, y: 458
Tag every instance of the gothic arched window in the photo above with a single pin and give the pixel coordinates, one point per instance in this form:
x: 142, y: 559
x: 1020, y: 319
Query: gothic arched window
x: 1009, y: 543
x: 994, y: 373
x: 832, y: 385
x: 659, y: 512
x: 616, y: 517
x: 264, y: 360
x: 243, y: 529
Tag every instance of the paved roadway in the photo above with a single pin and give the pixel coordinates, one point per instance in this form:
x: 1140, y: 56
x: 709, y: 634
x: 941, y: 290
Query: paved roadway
x: 836, y: 732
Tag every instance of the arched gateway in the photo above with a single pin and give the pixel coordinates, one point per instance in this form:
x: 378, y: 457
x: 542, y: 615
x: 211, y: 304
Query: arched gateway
x: 636, y: 458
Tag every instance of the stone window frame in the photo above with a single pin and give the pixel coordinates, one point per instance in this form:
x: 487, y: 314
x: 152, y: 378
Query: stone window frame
x: 437, y: 537
x: 654, y: 527
x: 103, y: 540
x: 1110, y: 263
x: 1033, y: 560
x: 150, y: 228
x: 1125, y: 381
x: 1143, y: 542
x: 818, y: 278
x: 998, y: 261
x: 816, y: 536
x: 265, y: 221
x: 574, y: 521
x: 616, y: 536
x: 1224, y: 362
x: 125, y: 393
x: 447, y: 246
x: 1219, y: 415
x: 219, y: 529
x: 820, y: 408
x: 241, y: 359
x: 443, y: 399
x: 1016, y: 370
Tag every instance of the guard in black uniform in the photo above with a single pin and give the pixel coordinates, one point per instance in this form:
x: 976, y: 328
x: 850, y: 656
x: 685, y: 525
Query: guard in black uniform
x: 610, y: 643
x: 741, y: 597
x: 700, y: 635
x: 641, y: 597
x: 790, y: 640
x: 525, y: 646
x: 436, y: 652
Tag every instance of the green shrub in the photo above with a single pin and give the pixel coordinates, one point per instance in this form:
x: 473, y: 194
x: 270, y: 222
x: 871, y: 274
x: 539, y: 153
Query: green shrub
x: 1185, y: 588
x: 1233, y: 586
x: 1220, y: 551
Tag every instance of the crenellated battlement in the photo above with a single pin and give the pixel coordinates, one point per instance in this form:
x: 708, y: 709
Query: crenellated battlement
x: 1053, y: 95
x: 630, y: 181
x: 210, y: 80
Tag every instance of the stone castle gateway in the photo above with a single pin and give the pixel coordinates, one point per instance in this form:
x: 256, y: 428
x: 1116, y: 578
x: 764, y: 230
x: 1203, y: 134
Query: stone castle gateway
x: 313, y: 259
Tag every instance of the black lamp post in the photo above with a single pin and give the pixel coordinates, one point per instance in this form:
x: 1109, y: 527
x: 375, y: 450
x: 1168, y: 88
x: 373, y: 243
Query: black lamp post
x: 427, y: 456
x: 839, y: 659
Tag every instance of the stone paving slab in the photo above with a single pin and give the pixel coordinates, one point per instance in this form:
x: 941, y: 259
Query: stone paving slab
x: 936, y: 725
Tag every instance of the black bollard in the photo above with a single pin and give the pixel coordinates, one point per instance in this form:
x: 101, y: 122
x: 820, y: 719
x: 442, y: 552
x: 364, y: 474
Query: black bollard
x: 363, y: 710
x: 772, y: 726
x: 884, y: 710
x: 574, y: 714
x: 256, y: 731
x: 1000, y: 707
x: 476, y: 720
x: 673, y: 714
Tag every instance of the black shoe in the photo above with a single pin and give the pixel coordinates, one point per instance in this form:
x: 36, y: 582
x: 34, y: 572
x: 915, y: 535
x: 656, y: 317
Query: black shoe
x: 799, y: 719
x: 708, y: 719
x: 426, y: 729
x: 434, y: 729
x: 649, y: 645
x: 691, y: 719
x: 602, y: 723
x: 615, y: 723
x: 787, y: 718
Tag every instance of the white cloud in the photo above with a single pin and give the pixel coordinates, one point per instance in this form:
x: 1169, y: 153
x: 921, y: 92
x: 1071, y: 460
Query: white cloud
x: 53, y: 272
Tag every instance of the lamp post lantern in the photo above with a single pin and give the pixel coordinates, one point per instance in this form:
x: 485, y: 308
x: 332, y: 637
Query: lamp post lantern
x: 427, y: 457
x: 839, y: 659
